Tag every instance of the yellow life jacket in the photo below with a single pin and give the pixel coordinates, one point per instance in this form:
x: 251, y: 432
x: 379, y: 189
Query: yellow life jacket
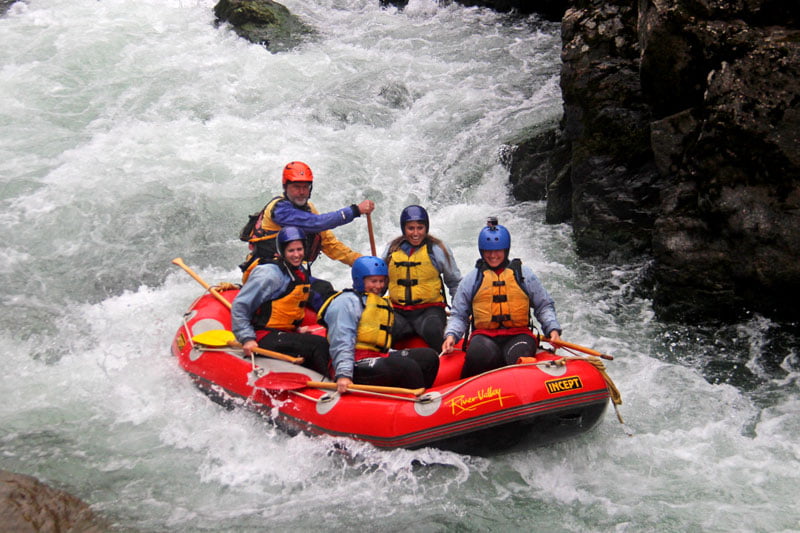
x: 500, y: 301
x: 288, y: 310
x: 265, y: 228
x: 413, y: 279
x: 375, y: 325
x: 374, y: 330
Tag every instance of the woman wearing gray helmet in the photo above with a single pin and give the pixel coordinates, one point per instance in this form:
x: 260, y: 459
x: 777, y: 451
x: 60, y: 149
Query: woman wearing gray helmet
x: 495, y: 299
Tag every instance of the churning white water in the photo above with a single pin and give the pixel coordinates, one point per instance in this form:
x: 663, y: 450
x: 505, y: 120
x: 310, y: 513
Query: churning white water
x: 135, y: 132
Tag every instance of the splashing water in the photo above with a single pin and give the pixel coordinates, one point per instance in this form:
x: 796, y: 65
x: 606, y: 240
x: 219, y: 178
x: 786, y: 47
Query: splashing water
x: 132, y: 133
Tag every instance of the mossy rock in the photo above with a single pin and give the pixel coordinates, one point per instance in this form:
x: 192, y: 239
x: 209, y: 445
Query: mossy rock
x: 264, y: 22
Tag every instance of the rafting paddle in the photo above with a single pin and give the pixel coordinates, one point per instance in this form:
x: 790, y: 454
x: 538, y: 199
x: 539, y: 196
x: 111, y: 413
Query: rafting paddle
x: 282, y: 381
x: 577, y: 347
x: 223, y: 337
x: 178, y: 261
x: 371, y: 235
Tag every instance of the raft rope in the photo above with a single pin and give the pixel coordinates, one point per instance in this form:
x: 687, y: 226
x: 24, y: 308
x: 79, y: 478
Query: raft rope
x: 327, y: 396
x: 616, y: 397
x: 424, y: 398
x: 613, y: 391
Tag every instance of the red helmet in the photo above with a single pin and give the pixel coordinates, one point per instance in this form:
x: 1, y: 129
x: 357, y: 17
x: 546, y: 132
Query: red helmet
x: 297, y: 171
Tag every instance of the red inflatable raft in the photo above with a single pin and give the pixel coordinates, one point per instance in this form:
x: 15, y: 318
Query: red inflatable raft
x: 548, y: 398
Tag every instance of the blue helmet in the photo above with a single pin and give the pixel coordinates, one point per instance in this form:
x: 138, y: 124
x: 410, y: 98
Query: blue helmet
x: 414, y: 213
x: 367, y: 265
x: 494, y: 237
x: 289, y: 234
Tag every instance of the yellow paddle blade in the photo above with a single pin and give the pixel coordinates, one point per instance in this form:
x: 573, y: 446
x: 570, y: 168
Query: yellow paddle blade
x: 214, y: 337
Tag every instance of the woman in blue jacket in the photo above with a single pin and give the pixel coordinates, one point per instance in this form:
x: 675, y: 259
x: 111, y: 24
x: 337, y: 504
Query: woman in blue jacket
x: 359, y: 322
x: 272, y: 303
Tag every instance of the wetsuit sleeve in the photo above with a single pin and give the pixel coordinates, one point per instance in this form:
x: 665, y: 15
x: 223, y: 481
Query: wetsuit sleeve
x: 336, y: 249
x: 263, y: 285
x: 462, y: 304
x: 286, y: 214
x: 544, y: 308
x: 342, y: 317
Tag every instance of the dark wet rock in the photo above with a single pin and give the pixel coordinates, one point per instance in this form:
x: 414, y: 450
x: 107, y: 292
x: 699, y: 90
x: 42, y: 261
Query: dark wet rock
x: 606, y: 120
x: 682, y: 124
x: 27, y: 505
x: 263, y: 22
x: 532, y: 167
x: 732, y: 228
x: 536, y: 166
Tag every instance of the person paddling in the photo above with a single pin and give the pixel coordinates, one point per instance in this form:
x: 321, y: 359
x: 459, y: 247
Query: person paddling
x: 498, y: 295
x: 359, y: 322
x: 272, y: 304
x: 294, y: 208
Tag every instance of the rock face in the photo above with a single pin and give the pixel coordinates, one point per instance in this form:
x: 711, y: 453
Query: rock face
x: 27, y: 505
x: 682, y: 125
x: 734, y: 216
x: 263, y: 22
x: 614, y: 180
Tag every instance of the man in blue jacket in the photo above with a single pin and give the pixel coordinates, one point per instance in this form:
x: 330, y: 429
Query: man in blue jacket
x: 293, y: 208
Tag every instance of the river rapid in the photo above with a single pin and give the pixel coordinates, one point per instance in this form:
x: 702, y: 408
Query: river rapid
x: 135, y: 132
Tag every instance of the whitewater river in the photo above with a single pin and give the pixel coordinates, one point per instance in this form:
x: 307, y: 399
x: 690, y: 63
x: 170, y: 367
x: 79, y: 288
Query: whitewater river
x: 135, y: 132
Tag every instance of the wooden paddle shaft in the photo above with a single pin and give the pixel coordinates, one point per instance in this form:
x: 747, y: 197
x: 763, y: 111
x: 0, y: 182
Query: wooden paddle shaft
x: 576, y: 347
x: 223, y: 337
x: 178, y: 261
x: 371, y: 235
x: 367, y: 388
x: 270, y: 353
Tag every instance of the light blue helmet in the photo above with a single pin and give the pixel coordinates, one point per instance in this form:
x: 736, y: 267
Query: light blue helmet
x: 367, y: 265
x: 494, y: 237
x: 289, y: 234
